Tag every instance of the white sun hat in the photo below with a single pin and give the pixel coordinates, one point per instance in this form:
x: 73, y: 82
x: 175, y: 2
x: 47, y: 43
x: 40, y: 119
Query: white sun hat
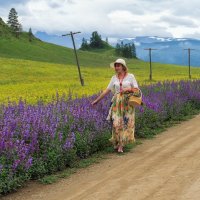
x: 119, y: 60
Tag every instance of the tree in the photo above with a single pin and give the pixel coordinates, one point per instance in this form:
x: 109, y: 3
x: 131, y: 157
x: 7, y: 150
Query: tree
x: 30, y: 34
x: 13, y: 22
x: 118, y: 50
x: 96, y: 41
x: 127, y: 50
x: 84, y: 45
x: 134, y: 50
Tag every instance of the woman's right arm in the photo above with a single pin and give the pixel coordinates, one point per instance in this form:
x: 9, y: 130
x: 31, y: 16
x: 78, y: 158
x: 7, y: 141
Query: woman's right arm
x: 101, y: 96
x: 105, y: 92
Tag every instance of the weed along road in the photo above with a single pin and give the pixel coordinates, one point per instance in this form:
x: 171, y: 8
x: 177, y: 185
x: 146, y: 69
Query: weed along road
x: 165, y: 168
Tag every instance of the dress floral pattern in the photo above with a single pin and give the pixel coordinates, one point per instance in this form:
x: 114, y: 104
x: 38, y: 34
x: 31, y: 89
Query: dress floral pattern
x: 122, y: 117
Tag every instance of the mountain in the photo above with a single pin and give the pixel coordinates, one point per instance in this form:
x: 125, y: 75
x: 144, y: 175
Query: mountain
x: 169, y: 50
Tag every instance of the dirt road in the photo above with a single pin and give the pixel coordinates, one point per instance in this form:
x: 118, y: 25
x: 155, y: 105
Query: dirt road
x: 166, y: 168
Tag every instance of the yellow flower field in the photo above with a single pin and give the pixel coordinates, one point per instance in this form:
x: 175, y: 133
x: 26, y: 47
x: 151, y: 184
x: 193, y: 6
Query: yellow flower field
x: 32, y: 80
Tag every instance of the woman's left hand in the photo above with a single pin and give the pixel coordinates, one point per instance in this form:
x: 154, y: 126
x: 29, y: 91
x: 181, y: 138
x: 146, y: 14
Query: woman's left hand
x: 135, y: 89
x: 130, y: 90
x: 126, y: 90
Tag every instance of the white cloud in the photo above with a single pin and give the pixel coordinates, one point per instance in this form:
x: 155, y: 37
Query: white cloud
x: 193, y: 35
x: 112, y: 18
x: 137, y: 44
x: 174, y: 21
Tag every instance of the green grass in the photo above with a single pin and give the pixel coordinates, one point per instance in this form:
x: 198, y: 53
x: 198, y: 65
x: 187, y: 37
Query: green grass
x: 41, y: 51
x: 33, y: 80
x: 4, y: 29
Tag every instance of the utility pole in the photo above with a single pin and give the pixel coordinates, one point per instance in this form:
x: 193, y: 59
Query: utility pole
x: 189, y: 50
x: 150, y: 74
x: 79, y: 71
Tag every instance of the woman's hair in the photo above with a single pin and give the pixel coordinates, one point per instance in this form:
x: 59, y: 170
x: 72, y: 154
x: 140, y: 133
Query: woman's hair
x: 124, y: 68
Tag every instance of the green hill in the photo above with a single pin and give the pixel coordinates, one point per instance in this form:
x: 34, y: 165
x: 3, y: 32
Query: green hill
x: 21, y: 48
x: 4, y: 29
x: 41, y: 51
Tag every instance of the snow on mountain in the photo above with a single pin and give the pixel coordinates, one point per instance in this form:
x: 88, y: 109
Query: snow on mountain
x: 169, y: 50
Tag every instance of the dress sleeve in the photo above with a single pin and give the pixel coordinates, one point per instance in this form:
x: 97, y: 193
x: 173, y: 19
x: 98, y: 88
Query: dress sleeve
x: 134, y: 82
x: 111, y: 84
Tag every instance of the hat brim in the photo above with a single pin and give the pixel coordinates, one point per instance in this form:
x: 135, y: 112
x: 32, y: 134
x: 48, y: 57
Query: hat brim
x: 112, y: 65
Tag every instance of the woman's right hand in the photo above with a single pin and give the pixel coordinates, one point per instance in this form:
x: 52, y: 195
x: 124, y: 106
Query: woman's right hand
x: 105, y: 92
x: 94, y: 102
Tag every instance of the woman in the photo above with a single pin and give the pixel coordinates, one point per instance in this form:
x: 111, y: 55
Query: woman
x: 121, y: 114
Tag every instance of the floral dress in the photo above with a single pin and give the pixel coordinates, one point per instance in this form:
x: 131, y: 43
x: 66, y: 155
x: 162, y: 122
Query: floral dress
x: 121, y: 114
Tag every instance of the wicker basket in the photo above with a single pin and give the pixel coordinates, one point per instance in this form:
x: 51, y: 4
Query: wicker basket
x: 135, y: 100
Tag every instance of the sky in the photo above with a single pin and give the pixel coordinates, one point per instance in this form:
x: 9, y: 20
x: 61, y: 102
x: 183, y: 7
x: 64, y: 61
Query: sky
x: 111, y: 18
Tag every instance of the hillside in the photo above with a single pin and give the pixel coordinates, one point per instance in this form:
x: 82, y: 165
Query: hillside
x: 41, y: 51
x: 21, y: 48
x: 4, y: 29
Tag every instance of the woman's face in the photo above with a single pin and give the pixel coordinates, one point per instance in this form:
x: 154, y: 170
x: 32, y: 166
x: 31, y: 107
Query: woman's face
x: 118, y: 68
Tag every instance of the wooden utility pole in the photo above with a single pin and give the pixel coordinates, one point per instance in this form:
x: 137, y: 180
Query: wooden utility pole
x: 189, y: 50
x: 79, y: 71
x: 150, y: 74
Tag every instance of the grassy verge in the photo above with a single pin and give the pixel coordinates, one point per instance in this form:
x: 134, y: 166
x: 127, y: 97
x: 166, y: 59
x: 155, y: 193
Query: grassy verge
x: 83, y: 163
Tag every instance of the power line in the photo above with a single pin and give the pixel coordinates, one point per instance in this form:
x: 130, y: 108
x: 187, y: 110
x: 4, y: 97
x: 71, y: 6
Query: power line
x: 72, y: 36
x: 150, y: 74
x: 189, y: 50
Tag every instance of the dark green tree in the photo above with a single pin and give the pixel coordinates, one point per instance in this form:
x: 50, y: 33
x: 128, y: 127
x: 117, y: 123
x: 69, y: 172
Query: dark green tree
x: 13, y: 22
x: 96, y: 41
x: 84, y: 45
x: 118, y: 49
x: 127, y: 50
x: 30, y: 35
x: 134, y: 50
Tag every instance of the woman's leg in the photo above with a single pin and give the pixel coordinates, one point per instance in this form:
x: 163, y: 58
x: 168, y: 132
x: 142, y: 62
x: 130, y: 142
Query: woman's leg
x: 120, y: 146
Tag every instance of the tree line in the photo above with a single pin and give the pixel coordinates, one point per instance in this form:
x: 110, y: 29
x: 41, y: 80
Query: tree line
x: 126, y: 50
x: 96, y: 42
